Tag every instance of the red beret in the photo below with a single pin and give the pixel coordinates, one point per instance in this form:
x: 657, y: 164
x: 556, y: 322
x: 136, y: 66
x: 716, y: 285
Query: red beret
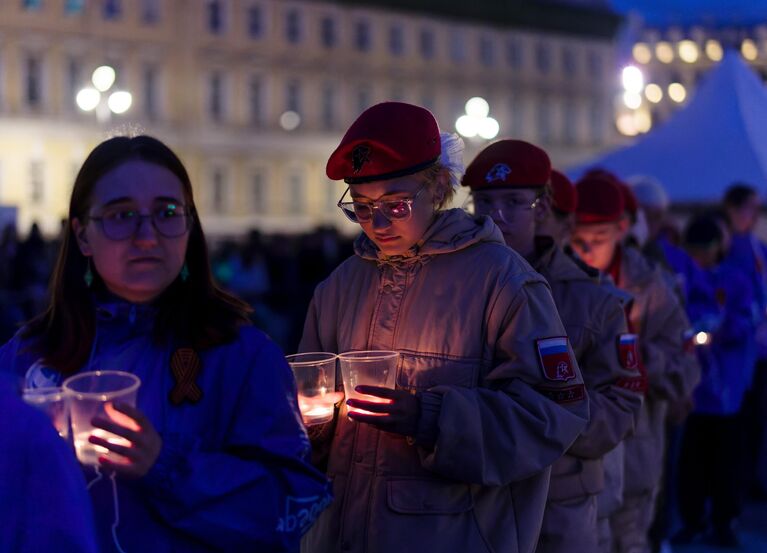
x: 599, y: 200
x: 388, y: 140
x: 630, y: 203
x: 506, y: 164
x: 563, y: 194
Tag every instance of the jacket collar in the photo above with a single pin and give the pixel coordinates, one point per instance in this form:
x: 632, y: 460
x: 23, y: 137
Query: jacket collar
x: 452, y: 230
x: 551, y: 261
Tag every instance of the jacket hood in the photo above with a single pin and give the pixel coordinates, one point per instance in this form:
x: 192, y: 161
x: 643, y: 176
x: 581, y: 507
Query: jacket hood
x: 452, y: 230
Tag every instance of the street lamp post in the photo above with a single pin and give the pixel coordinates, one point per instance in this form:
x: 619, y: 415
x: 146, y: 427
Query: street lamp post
x: 96, y: 99
x: 476, y: 121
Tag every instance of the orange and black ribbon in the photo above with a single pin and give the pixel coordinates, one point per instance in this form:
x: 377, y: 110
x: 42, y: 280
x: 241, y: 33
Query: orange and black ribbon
x: 185, y: 366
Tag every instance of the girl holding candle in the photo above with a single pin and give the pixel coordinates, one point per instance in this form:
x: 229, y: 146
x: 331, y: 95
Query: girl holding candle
x: 487, y: 395
x: 218, y: 455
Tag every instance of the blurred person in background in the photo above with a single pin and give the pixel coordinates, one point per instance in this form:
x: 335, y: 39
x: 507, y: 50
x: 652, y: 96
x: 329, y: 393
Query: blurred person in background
x: 657, y: 317
x: 719, y: 305
x: 742, y: 207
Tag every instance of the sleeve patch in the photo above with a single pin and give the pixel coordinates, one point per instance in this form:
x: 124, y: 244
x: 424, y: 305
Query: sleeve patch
x: 556, y: 361
x: 569, y: 394
x: 628, y: 351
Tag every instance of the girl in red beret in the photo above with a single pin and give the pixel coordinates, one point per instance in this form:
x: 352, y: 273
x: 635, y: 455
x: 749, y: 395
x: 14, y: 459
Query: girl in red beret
x: 487, y: 392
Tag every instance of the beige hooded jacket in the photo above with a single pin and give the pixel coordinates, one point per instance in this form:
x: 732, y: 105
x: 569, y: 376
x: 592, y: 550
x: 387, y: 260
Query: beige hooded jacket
x: 465, y: 312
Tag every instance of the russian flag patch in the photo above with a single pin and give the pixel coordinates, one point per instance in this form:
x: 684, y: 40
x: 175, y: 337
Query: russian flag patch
x: 628, y: 351
x: 556, y: 361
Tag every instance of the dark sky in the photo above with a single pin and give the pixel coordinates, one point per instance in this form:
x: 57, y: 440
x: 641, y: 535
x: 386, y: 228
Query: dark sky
x: 690, y: 12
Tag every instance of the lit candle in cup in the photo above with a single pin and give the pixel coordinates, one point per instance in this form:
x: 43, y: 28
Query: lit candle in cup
x: 88, y: 453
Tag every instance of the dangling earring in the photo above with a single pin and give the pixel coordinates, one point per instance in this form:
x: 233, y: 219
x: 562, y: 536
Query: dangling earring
x: 184, y: 272
x: 88, y: 276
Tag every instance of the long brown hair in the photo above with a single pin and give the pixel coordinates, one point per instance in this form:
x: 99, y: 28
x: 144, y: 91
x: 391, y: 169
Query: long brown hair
x: 195, y: 312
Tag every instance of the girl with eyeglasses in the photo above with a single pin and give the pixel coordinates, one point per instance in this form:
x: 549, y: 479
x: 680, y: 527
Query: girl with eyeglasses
x: 217, y: 459
x: 487, y: 394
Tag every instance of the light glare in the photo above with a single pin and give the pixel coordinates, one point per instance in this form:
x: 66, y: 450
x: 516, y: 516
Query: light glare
x: 120, y: 101
x: 654, y: 93
x: 633, y: 80
x: 488, y: 128
x: 664, y: 52
x: 88, y: 98
x: 641, y: 53
x: 103, y: 78
x: 632, y: 99
x: 477, y: 107
x: 467, y: 126
x: 677, y: 92
x: 688, y: 51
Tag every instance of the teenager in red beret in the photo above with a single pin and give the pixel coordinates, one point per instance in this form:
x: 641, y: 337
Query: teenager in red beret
x: 658, y: 319
x: 593, y: 318
x: 487, y: 391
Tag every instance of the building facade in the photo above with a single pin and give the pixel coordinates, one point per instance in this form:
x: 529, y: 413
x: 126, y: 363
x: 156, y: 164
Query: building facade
x: 674, y: 58
x: 255, y: 94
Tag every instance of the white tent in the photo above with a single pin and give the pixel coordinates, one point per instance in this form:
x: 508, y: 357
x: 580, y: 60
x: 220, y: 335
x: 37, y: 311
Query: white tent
x: 720, y: 137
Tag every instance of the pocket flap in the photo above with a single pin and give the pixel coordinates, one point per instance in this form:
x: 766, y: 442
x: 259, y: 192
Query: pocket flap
x: 423, y: 496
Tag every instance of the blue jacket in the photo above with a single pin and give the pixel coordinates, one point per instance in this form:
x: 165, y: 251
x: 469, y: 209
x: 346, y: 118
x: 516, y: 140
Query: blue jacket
x: 43, y: 502
x: 720, y: 302
x: 233, y: 473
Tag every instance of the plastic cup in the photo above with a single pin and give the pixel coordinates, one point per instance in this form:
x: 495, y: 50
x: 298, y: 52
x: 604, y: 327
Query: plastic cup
x: 52, y: 402
x: 316, y: 381
x: 369, y: 368
x: 91, y: 394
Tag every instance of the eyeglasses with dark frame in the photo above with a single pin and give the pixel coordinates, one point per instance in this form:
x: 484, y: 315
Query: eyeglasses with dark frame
x: 400, y: 209
x: 170, y: 221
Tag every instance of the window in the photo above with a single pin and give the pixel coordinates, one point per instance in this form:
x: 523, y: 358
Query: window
x: 36, y: 182
x: 293, y: 96
x: 597, y: 122
x: 33, y: 88
x: 31, y: 5
x: 426, y: 42
x: 74, y: 7
x: 363, y: 99
x: 112, y: 9
x: 595, y: 65
x: 219, y: 191
x: 486, y: 51
x: 216, y: 96
x: 293, y: 26
x: 571, y: 122
x: 296, y: 196
x: 328, y: 107
x: 74, y: 81
x: 150, y: 11
x: 396, y: 40
x: 328, y: 32
x: 150, y: 91
x: 517, y: 115
x: 362, y: 36
x: 215, y: 16
x: 256, y: 101
x: 258, y: 191
x: 543, y: 58
x: 543, y: 119
x: 457, y: 47
x: 569, y: 62
x: 255, y: 21
x: 514, y: 54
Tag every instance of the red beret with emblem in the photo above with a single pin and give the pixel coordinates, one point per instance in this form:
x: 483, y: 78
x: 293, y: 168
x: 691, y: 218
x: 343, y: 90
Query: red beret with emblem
x: 599, y: 200
x: 564, y: 197
x: 508, y: 164
x: 630, y: 203
x: 388, y: 140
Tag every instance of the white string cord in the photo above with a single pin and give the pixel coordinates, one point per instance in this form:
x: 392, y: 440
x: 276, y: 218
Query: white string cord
x: 117, y: 513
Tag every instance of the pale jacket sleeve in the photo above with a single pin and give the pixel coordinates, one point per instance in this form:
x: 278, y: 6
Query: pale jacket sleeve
x: 673, y: 371
x: 517, y: 422
x: 614, y: 408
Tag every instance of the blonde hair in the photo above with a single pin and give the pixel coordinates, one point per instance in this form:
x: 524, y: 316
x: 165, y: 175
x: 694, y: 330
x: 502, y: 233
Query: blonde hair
x: 437, y: 180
